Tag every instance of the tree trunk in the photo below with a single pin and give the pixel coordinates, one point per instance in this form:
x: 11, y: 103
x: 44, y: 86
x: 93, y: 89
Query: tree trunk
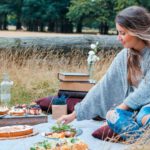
x: 67, y: 43
x: 18, y: 24
x: 5, y: 22
x: 79, y: 26
x: 51, y: 26
x: 106, y: 28
x: 35, y: 27
x: 1, y: 25
x: 57, y: 28
x: 103, y: 28
x: 19, y: 14
x: 67, y: 27
x: 30, y: 27
x: 41, y: 27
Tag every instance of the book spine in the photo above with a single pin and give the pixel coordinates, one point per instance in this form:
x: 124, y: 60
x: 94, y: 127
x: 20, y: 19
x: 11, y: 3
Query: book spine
x: 75, y: 78
x: 76, y: 86
x: 72, y: 94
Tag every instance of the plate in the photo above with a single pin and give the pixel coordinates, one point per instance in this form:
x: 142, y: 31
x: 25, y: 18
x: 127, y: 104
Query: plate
x: 78, y: 132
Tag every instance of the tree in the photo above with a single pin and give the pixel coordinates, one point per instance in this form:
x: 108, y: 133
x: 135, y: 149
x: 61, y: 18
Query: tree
x: 34, y: 14
x: 16, y: 8
x: 78, y: 12
x: 99, y: 11
x: 144, y: 3
x: 57, y: 14
x: 51, y: 13
x: 121, y: 4
x: 4, y: 11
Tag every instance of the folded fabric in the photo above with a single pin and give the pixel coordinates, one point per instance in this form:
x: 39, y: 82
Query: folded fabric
x: 45, y: 103
x: 106, y: 133
x: 71, y: 102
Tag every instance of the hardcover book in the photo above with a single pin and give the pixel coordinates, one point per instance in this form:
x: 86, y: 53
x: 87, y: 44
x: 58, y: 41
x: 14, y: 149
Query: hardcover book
x: 72, y: 94
x: 72, y: 76
x: 76, y: 86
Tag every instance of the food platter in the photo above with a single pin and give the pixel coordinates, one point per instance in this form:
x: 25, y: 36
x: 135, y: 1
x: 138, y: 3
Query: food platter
x: 60, y: 131
x: 63, y: 144
x: 58, y: 135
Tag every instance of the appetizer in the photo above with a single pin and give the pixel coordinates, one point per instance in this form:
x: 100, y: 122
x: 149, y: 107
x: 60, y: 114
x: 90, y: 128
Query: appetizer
x: 65, y: 144
x: 61, y: 131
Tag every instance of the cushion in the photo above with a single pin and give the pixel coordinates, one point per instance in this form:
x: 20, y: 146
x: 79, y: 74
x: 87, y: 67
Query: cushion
x: 46, y: 103
x: 71, y: 102
x: 105, y: 133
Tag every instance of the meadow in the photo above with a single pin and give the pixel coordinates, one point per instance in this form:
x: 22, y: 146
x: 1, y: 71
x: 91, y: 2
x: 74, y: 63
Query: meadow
x: 34, y: 73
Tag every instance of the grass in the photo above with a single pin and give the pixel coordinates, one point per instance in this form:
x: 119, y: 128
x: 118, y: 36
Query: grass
x: 143, y: 143
x: 34, y: 71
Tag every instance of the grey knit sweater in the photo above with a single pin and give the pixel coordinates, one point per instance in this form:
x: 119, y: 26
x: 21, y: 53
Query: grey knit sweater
x: 113, y: 89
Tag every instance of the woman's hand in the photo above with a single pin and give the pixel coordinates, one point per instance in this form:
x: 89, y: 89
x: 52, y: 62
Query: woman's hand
x: 65, y: 119
x: 123, y: 106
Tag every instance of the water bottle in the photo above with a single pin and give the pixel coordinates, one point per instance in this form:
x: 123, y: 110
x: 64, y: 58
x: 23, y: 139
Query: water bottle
x: 5, y: 88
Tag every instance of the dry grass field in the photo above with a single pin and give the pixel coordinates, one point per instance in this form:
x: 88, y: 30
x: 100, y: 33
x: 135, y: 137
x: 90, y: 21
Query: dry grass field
x: 34, y: 72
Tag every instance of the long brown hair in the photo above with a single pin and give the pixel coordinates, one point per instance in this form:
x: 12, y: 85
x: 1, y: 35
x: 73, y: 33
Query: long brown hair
x: 136, y: 20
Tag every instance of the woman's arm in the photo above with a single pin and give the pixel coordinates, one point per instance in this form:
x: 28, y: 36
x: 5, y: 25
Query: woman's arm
x: 109, y: 91
x: 141, y: 95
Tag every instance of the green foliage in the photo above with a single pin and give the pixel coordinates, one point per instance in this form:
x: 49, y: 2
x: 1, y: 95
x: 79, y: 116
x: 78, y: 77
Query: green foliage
x: 144, y: 3
x: 12, y: 19
x: 61, y: 127
x: 42, y: 145
x: 40, y: 13
x: 34, y: 10
x: 121, y: 4
x: 60, y: 100
x: 94, y: 12
x: 5, y: 7
x: 20, y: 95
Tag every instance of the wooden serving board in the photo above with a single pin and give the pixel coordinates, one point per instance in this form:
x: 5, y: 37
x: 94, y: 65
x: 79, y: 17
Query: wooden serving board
x: 23, y: 120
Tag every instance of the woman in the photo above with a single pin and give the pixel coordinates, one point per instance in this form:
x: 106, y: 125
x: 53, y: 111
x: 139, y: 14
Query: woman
x: 126, y: 85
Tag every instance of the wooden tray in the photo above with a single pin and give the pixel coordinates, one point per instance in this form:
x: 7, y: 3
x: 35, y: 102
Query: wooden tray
x: 19, y: 137
x: 23, y: 120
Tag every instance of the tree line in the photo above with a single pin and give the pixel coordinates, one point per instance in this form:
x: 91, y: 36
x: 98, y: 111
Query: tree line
x: 63, y: 16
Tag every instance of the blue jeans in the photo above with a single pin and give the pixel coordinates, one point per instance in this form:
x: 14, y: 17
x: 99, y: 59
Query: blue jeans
x: 145, y: 110
x: 123, y: 123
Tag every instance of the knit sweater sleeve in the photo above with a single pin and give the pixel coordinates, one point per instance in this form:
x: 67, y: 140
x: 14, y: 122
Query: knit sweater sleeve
x: 141, y: 95
x: 105, y: 93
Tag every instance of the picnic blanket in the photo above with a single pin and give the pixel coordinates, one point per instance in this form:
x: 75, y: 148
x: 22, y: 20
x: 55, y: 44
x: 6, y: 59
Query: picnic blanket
x: 87, y: 126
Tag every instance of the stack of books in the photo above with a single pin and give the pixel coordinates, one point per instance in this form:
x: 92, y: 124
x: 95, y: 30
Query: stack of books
x: 75, y: 85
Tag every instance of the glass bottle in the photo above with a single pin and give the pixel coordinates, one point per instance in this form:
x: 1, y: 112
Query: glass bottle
x: 5, y: 88
x: 91, y: 71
